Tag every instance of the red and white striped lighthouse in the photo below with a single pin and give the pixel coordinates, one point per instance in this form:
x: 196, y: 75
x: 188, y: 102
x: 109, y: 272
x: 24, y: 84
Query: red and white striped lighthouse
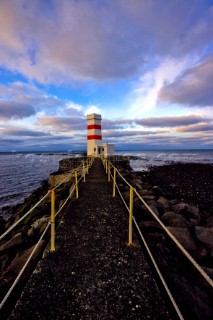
x: 94, y: 135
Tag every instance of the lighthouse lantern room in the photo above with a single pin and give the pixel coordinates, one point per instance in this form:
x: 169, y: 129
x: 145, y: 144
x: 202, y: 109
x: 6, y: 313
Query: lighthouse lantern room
x: 94, y: 137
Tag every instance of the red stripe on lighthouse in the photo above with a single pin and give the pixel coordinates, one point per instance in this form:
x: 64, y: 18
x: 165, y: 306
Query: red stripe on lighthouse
x: 94, y: 137
x: 94, y: 126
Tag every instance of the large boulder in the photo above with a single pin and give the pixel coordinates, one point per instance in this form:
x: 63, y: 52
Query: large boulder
x: 38, y: 227
x: 192, y: 214
x: 7, y: 278
x: 147, y: 214
x: 56, y: 178
x: 173, y: 219
x: 179, y: 208
x: 137, y: 184
x: 162, y: 205
x: 17, y: 240
x: 157, y: 191
x: 148, y: 198
x: 184, y: 237
x: 205, y: 235
x: 209, y: 221
x: 145, y: 192
x: 189, y: 212
x: 150, y: 226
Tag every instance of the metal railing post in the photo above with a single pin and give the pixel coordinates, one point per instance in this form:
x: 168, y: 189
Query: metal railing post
x: 87, y: 168
x: 108, y: 170
x: 84, y: 177
x: 130, y: 215
x: 76, y: 184
x: 114, y: 183
x: 106, y: 165
x: 52, y: 221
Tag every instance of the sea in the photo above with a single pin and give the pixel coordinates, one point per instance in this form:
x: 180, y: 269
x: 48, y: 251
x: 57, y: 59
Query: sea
x: 22, y: 173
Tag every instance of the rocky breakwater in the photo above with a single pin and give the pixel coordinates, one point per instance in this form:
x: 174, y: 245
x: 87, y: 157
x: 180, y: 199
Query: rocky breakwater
x: 181, y: 195
x: 17, y: 245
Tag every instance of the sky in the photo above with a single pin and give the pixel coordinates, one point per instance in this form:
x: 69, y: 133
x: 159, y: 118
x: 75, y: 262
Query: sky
x: 145, y: 65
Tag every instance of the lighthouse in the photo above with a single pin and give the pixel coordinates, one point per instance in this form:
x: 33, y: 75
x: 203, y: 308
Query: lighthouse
x: 95, y: 146
x: 94, y: 135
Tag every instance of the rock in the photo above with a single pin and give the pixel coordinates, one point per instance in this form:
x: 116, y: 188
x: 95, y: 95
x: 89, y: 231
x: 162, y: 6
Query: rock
x: 189, y: 212
x: 154, y: 209
x: 205, y: 235
x: 4, y: 260
x: 195, y: 297
x: 14, y: 242
x: 179, y: 208
x: 162, y: 205
x: 209, y: 221
x: 150, y: 226
x: 136, y: 203
x: 38, y: 227
x: 173, y: 202
x: 173, y: 219
x: 147, y: 198
x: 70, y: 163
x: 137, y: 209
x: 147, y: 214
x: 15, y: 267
x: 209, y: 271
x: 145, y: 192
x: 56, y: 178
x: 192, y: 214
x: 137, y: 184
x: 184, y: 237
x: 157, y: 191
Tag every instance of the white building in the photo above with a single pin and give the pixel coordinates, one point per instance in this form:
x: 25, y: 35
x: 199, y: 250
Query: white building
x: 94, y: 137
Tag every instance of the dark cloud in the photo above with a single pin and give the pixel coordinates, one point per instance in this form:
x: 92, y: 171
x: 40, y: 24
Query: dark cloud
x: 117, y: 124
x: 129, y: 134
x: 171, y: 121
x: 15, y: 110
x: 24, y: 133
x: 112, y: 40
x: 154, y: 122
x: 193, y: 88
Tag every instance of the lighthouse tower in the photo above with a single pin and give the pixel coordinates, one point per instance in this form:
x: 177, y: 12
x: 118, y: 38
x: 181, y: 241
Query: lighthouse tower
x: 94, y: 135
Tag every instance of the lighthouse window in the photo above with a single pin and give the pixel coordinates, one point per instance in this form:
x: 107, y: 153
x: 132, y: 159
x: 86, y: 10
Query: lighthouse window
x: 94, y: 149
x: 102, y: 149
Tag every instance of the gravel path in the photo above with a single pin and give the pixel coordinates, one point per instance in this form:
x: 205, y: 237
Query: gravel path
x: 93, y: 274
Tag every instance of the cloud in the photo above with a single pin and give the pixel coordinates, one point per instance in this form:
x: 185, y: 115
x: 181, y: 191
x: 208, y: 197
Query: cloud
x: 197, y: 128
x: 117, y: 123
x: 193, y: 87
x: 93, y: 109
x: 171, y: 121
x: 17, y: 94
x: 58, y: 42
x: 63, y: 123
x: 145, y: 91
x: 23, y: 133
x: 127, y: 134
x: 15, y: 110
x: 154, y: 122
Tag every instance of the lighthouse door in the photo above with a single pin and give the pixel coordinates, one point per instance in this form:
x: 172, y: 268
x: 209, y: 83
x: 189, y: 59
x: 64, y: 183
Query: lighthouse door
x: 99, y: 150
